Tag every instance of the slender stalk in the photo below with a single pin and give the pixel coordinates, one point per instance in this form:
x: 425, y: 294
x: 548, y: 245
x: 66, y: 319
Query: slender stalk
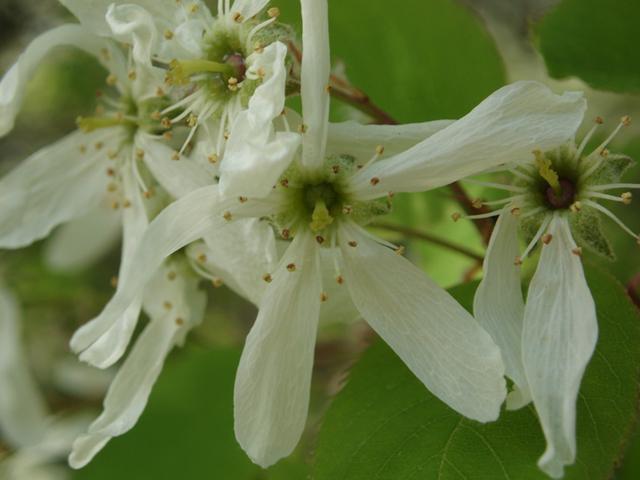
x: 412, y: 232
x: 484, y: 225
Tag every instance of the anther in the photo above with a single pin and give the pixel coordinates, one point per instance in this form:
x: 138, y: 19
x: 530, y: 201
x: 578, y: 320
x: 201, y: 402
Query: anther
x: 119, y: 117
x: 105, y: 53
x: 111, y: 171
x: 115, y: 205
x: 604, y: 153
x: 156, y: 115
x: 302, y: 128
x: 284, y: 183
x: 339, y: 278
x: 400, y: 250
x: 456, y: 216
x: 111, y: 80
x: 353, y: 244
x: 193, y: 7
x: 291, y: 267
x: 477, y: 203
x: 379, y: 149
x: 167, y: 135
x: 171, y: 275
x: 286, y: 233
x: 261, y: 72
x: 192, y: 120
x: 139, y: 154
x: 626, y: 198
x: 166, y: 304
x: 111, y: 187
x: 576, y: 207
x: 148, y: 193
x: 267, y: 278
x: 227, y: 216
x: 111, y: 154
x: 168, y: 34
x: 336, y: 169
x: 375, y: 181
x: 518, y: 261
x: 320, y: 239
x: 346, y: 209
x: 160, y: 92
x: 546, y: 238
x: 126, y: 45
x: 243, y: 199
x: 237, y: 17
x: 126, y: 203
x: 175, y: 156
x: 516, y: 211
x: 99, y: 145
x: 213, y: 158
x: 114, y: 281
x: 323, y: 297
x: 217, y: 282
x: 273, y: 12
x: 258, y: 47
x: 577, y: 251
x: 626, y: 121
x: 131, y: 75
x: 82, y: 149
x: 202, y: 257
x: 99, y: 94
x: 328, y: 88
x: 233, y: 84
x: 391, y: 194
x: 166, y: 122
x: 179, y: 321
x: 599, y: 120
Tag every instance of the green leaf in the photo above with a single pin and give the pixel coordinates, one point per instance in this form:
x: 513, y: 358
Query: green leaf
x: 420, y: 61
x: 186, y: 430
x: 595, y: 40
x: 386, y: 425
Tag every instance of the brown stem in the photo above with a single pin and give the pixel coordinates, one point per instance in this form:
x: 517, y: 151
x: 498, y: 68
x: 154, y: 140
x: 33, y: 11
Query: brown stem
x: 484, y: 225
x: 632, y: 288
x: 412, y: 232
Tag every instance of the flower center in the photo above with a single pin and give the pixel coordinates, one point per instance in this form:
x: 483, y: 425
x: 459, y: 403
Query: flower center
x: 560, y: 197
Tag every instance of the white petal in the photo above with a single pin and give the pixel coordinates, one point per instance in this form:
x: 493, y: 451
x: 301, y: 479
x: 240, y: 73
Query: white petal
x: 498, y: 304
x: 340, y: 307
x: 56, y: 184
x: 22, y: 407
x: 314, y: 78
x: 134, y: 25
x: 85, y: 448
x: 14, y: 83
x: 506, y: 126
x: 182, y: 222
x: 359, y: 140
x: 255, y: 156
x: 83, y: 241
x: 439, y: 340
x: 271, y: 396
x: 560, y: 334
x: 248, y: 8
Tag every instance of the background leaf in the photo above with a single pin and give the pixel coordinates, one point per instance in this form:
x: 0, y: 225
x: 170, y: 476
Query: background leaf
x: 594, y: 40
x: 386, y: 425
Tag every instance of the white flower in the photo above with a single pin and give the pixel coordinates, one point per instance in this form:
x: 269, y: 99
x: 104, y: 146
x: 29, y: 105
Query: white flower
x: 39, y: 440
x: 322, y: 199
x: 547, y: 343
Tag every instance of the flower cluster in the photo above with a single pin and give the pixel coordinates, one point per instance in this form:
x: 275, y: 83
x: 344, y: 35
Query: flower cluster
x: 193, y: 157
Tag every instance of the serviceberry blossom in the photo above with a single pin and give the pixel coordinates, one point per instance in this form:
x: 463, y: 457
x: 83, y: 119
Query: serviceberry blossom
x: 548, y: 342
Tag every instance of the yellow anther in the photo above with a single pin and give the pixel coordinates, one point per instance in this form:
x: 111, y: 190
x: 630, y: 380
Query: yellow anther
x: 323, y: 297
x: 375, y: 181
x: 192, y: 120
x: 233, y: 84
x: 258, y: 47
x: 242, y: 199
x: 267, y: 278
x: 82, y: 148
x: 477, y: 203
x: 577, y: 251
x: 105, y: 53
x: 156, y: 115
x: 213, y: 158
x: 119, y: 117
x: 131, y: 75
x: 626, y: 198
x: 400, y: 250
x: 112, y: 154
x: 166, y: 122
x: 160, y: 92
x: 237, y: 17
x: 111, y: 80
x: 335, y: 169
x: 339, y: 278
x: 111, y: 187
x: 286, y: 233
x: 111, y: 171
x: 217, y: 282
x: 171, y: 275
x: 626, y: 121
x: 599, y: 120
x: 516, y: 212
x: 291, y: 267
x: 328, y: 88
x: 126, y: 203
x: 456, y: 216
x: 273, y: 12
x: 546, y: 238
x: 518, y: 261
x: 391, y: 194
x: 139, y: 154
x: 167, y: 135
x: 193, y: 7
x: 576, y: 207
x: 179, y: 321
x: 175, y: 156
x: 148, y: 193
x: 379, y: 149
x: 604, y: 153
x: 201, y: 257
x: 302, y: 128
x: 115, y: 205
x: 353, y: 244
x: 227, y: 216
x: 127, y: 45
x: 166, y: 304
x: 168, y: 34
x: 346, y: 209
x: 260, y: 72
x: 114, y: 281
x: 284, y: 183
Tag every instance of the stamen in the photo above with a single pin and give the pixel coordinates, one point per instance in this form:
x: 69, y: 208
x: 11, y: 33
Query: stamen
x: 612, y: 217
x: 539, y: 233
x: 624, y: 198
x: 625, y: 121
x: 613, y: 185
x: 260, y: 26
x: 533, y: 212
x: 524, y: 176
x: 495, y: 213
x: 505, y: 200
x: 598, y: 121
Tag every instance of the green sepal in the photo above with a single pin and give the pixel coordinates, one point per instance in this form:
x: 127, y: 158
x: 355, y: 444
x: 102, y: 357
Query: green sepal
x: 587, y: 231
x: 610, y: 171
x: 529, y: 226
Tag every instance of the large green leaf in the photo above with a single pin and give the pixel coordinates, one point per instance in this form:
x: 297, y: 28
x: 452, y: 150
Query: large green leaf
x: 424, y: 60
x: 595, y: 40
x: 386, y: 425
